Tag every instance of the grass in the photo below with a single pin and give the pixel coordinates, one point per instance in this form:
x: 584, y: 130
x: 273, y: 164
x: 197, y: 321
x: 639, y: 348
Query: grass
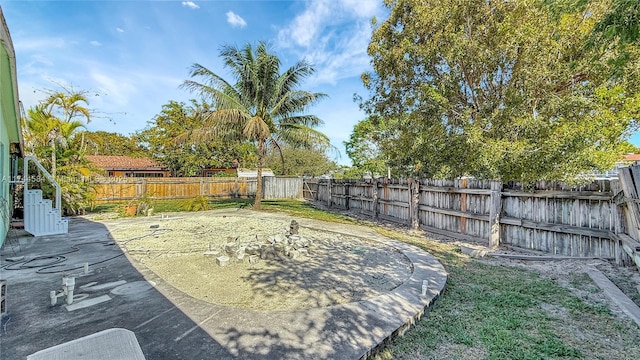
x: 502, y: 312
x: 291, y: 207
x: 488, y: 311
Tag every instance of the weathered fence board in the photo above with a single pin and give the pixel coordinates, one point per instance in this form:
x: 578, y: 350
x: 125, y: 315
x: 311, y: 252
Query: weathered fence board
x: 124, y: 189
x: 550, y: 217
x: 282, y: 188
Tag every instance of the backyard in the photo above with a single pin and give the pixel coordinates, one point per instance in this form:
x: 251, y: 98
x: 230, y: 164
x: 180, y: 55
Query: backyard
x: 491, y: 308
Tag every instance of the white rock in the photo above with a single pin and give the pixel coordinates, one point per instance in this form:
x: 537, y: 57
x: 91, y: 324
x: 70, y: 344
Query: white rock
x: 222, y: 260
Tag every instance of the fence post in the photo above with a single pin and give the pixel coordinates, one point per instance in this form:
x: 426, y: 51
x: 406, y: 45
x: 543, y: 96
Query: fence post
x: 494, y: 214
x: 329, y: 192
x: 375, y: 198
x: 347, y: 196
x: 414, y: 203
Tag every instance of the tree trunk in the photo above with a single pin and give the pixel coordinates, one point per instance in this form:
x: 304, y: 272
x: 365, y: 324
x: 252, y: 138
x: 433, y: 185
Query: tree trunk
x: 53, y: 159
x: 261, y: 146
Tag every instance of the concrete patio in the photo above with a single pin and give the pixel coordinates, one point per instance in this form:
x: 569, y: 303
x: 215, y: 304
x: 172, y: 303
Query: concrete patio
x: 169, y: 324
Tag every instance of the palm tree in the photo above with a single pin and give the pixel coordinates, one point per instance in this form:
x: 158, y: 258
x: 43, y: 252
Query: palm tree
x: 262, y: 105
x: 69, y: 104
x: 44, y: 131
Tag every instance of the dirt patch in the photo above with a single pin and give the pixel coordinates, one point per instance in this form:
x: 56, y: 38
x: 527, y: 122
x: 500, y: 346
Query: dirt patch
x: 570, y: 274
x: 338, y: 269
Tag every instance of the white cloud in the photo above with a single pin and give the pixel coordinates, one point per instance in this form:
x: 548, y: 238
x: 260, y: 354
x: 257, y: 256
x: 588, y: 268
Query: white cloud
x: 119, y: 30
x: 95, y: 43
x: 305, y: 27
x: 190, y: 4
x: 118, y: 90
x: 38, y: 44
x: 333, y: 35
x: 362, y: 8
x: 235, y: 20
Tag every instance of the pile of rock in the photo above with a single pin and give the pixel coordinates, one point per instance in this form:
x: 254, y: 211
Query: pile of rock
x: 278, y: 247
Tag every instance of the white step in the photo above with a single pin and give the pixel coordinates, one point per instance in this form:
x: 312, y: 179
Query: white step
x: 40, y: 218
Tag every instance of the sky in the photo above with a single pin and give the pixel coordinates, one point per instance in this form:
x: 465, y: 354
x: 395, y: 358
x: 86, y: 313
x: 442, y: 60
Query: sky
x: 131, y: 56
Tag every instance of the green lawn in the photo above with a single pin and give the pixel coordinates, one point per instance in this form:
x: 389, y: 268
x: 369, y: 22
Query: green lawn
x: 489, y: 310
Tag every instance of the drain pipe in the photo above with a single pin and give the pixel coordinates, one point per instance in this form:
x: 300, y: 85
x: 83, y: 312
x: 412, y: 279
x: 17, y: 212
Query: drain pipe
x: 68, y: 286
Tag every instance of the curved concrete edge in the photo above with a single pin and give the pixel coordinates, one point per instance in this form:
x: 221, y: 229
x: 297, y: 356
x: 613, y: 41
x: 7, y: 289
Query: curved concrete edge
x: 403, y: 306
x: 349, y: 331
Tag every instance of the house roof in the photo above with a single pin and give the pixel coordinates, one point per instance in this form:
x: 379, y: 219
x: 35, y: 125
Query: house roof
x: 632, y: 157
x: 9, y: 91
x: 111, y: 162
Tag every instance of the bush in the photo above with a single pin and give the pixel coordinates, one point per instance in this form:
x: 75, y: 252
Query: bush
x: 198, y: 203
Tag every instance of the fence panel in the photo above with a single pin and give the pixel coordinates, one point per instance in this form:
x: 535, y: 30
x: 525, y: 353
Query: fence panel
x: 115, y: 191
x: 568, y: 222
x: 282, y: 188
x: 456, y: 207
x: 551, y: 217
x: 394, y: 199
x: 125, y: 189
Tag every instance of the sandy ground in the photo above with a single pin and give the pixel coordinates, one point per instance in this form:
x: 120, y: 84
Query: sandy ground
x: 338, y: 269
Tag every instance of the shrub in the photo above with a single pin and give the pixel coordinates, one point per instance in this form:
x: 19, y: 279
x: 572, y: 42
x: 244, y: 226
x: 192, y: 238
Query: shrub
x: 198, y: 203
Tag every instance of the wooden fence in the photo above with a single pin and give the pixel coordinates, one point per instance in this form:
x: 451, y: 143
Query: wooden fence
x: 124, y: 189
x: 600, y: 220
x: 591, y: 221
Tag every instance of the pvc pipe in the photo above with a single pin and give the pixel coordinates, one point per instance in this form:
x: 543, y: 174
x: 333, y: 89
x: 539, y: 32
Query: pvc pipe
x: 70, y: 297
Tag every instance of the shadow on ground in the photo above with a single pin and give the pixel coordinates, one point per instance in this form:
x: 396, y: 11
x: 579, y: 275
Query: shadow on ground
x: 33, y: 324
x: 172, y: 325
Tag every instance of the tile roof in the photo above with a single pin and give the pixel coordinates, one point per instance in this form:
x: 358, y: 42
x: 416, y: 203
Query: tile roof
x: 632, y: 157
x: 124, y: 162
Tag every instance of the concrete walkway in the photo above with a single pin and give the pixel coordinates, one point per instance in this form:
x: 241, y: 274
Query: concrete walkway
x: 171, y: 324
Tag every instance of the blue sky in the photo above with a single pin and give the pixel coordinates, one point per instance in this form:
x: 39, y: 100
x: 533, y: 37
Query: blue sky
x: 132, y: 55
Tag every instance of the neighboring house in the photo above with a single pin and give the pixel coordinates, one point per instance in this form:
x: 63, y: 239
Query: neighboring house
x: 629, y: 159
x: 10, y: 131
x: 210, y: 172
x: 253, y: 173
x: 125, y: 166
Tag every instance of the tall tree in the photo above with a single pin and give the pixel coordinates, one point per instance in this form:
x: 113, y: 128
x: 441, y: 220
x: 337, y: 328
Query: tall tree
x: 167, y: 139
x: 108, y: 143
x: 365, y: 147
x: 300, y: 162
x: 52, y: 140
x: 261, y: 105
x: 617, y: 35
x: 46, y: 134
x: 498, y: 89
x: 68, y: 105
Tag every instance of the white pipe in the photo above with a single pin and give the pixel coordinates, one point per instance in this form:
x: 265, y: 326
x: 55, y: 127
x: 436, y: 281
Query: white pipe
x: 68, y: 285
x: 54, y: 297
x: 70, y: 297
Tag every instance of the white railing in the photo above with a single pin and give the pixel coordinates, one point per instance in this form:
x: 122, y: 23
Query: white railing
x: 40, y: 217
x: 45, y: 173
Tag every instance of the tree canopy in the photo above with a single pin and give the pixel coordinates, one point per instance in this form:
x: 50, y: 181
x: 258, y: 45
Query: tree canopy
x: 300, y: 162
x: 108, y: 143
x: 365, y: 148
x: 52, y: 134
x: 499, y: 89
x: 168, y: 140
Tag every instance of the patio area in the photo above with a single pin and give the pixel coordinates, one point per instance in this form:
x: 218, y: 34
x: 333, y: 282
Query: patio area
x: 119, y: 292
